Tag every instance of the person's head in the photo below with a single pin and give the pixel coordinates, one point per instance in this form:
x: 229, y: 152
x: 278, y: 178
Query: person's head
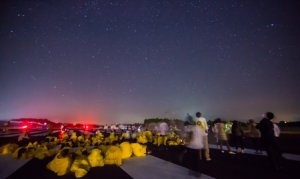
x: 198, y: 114
x: 269, y: 115
x: 218, y: 120
x: 251, y: 121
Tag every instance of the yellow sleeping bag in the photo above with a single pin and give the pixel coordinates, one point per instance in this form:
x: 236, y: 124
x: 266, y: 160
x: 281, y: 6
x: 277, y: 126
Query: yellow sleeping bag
x: 138, y: 149
x: 126, y: 150
x: 113, y: 156
x: 61, y: 162
x: 95, y: 158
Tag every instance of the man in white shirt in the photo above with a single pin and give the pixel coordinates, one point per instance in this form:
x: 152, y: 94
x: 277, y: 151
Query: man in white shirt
x: 163, y: 128
x: 202, y: 122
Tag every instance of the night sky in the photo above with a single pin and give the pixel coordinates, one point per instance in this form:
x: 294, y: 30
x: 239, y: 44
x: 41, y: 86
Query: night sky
x: 127, y: 60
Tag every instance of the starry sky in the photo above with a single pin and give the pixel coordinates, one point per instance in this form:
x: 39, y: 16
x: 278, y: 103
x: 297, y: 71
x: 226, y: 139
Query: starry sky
x: 127, y: 60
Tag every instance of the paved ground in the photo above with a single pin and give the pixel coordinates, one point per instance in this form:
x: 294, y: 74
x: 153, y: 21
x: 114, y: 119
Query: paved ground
x: 154, y: 167
x: 8, y: 165
x: 224, y: 165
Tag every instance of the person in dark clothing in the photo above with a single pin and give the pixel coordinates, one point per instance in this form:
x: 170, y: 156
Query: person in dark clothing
x: 237, y: 136
x: 24, y: 138
x: 268, y: 140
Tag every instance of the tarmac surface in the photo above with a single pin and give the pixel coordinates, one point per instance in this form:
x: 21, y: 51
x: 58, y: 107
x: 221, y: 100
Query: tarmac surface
x: 236, y: 166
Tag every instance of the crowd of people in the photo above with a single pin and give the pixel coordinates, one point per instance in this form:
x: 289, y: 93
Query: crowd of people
x: 78, y: 152
x: 264, y: 136
x: 237, y: 133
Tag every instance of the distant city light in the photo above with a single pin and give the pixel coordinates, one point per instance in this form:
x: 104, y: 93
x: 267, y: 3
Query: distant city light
x: 24, y: 127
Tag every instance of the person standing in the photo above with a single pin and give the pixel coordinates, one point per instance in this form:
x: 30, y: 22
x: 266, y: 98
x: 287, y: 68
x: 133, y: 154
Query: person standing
x: 215, y: 131
x: 268, y: 140
x: 254, y: 135
x: 219, y: 129
x: 201, y: 121
x: 195, y: 135
x: 237, y: 135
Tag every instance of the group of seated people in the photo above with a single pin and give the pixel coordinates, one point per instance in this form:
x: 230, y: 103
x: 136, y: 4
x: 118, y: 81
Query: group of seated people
x: 79, y: 152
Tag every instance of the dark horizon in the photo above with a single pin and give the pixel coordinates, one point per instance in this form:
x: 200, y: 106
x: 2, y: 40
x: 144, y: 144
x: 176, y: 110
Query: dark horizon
x: 124, y: 61
x: 256, y: 119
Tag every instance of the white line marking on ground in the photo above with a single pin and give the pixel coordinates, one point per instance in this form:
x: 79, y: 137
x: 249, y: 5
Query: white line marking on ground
x: 291, y: 156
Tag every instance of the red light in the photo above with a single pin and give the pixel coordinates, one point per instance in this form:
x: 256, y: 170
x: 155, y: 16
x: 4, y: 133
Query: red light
x: 24, y: 127
x: 85, y: 127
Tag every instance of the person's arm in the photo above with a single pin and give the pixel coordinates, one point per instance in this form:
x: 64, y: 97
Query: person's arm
x: 206, y: 126
x: 276, y: 130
